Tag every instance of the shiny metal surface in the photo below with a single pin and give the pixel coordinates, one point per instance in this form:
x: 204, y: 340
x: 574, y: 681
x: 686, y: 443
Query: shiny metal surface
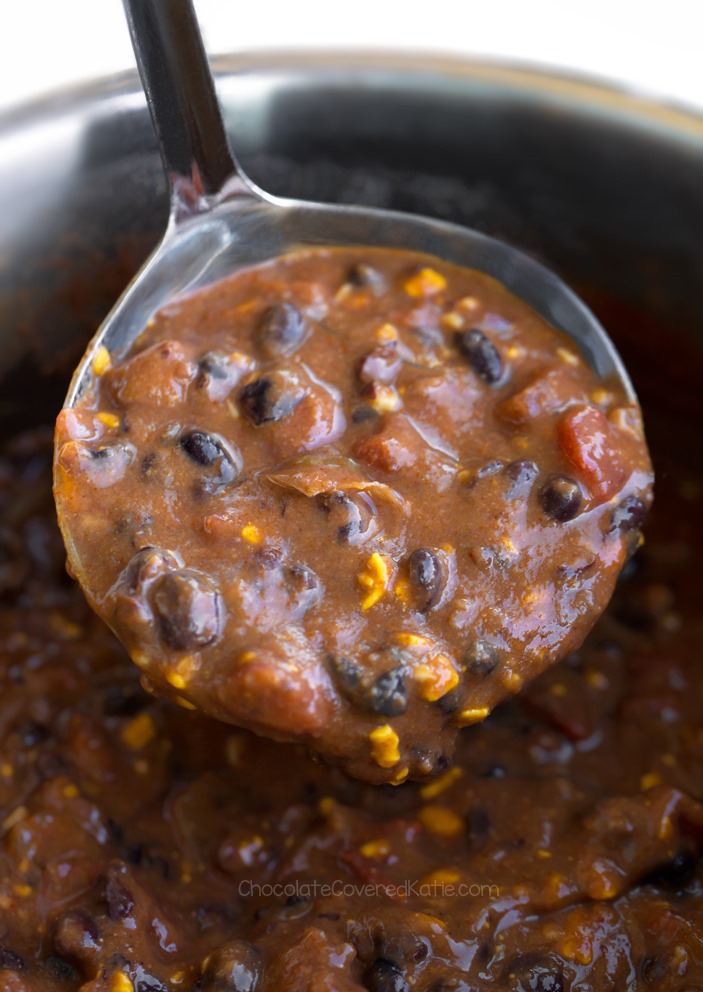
x: 601, y: 186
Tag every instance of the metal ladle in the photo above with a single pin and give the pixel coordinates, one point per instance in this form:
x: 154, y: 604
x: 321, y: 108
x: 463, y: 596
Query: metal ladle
x: 220, y: 221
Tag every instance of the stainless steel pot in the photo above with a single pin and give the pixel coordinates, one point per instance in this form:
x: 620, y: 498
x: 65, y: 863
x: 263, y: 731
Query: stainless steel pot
x: 605, y: 187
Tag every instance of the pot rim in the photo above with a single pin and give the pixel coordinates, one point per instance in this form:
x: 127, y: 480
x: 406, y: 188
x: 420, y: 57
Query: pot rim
x: 573, y: 89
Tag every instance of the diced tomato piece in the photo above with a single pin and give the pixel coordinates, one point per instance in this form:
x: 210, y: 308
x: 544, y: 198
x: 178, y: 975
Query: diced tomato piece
x: 592, y: 447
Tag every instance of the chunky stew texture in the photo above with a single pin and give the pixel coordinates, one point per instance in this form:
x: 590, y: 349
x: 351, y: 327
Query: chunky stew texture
x: 352, y: 498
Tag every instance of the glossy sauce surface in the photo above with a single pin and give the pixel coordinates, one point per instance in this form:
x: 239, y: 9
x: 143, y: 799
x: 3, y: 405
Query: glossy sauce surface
x: 352, y: 498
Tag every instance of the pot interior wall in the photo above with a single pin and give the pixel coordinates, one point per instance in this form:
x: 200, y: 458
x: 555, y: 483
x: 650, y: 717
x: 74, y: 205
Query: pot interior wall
x: 614, y: 201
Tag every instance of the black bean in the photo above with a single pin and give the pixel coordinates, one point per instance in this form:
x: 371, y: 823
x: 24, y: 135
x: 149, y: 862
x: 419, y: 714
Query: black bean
x: 270, y: 398
x: 188, y: 609
x: 521, y: 474
x: 481, y: 657
x: 534, y: 973
x: 120, y: 901
x: 208, y: 451
x: 385, y: 976
x: 675, y: 874
x: 346, y: 674
x: 427, y: 575
x: 305, y: 587
x: 9, y: 961
x: 214, y: 365
x: 478, y: 825
x: 32, y: 733
x: 60, y: 969
x: 481, y: 354
x: 363, y: 414
x: 654, y: 970
x: 354, y: 515
x: 234, y: 967
x: 364, y: 276
x: 77, y: 935
x: 281, y: 330
x: 381, y: 364
x: 561, y: 498
x: 489, y: 469
x: 144, y: 982
x: 388, y: 694
x: 148, y: 564
x: 629, y: 515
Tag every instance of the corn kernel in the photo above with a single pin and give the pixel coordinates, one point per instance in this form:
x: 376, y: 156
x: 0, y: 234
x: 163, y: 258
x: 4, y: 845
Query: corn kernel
x: 442, y: 876
x: 375, y: 849
x: 543, y: 854
x: 436, y: 678
x: 400, y: 776
x: 650, y: 780
x: 596, y: 679
x: 139, y: 732
x: 559, y: 690
x: 374, y: 579
x: 70, y: 791
x: 384, y: 746
x: 441, y: 784
x: 409, y: 640
x: 514, y: 351
x: 176, y: 680
x: 601, y: 396
x: 385, y: 399
x: 326, y: 805
x: 474, y: 714
x: 185, y: 704
x: 121, y: 983
x: 426, y: 282
x: 441, y: 821
x: 101, y: 360
x: 6, y: 770
x: 469, y: 303
x: 451, y: 321
x: 252, y: 534
x: 22, y: 890
x: 387, y: 332
x: 110, y: 420
x: 568, y: 357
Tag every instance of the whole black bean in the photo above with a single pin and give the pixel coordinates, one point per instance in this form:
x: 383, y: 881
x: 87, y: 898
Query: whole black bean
x: 146, y: 566
x: 120, y: 901
x: 354, y: 515
x: 478, y: 826
x: 388, y: 694
x: 77, y: 935
x: 675, y: 874
x: 481, y: 354
x: 364, y: 276
x: 270, y: 398
x: 385, y: 976
x: 9, y: 961
x: 427, y: 575
x: 521, y: 474
x: 534, y: 973
x: 234, y: 967
x: 628, y: 515
x: 281, y: 330
x: 188, y: 610
x: 59, y: 969
x: 481, y: 657
x: 561, y: 498
x: 346, y: 674
x: 222, y: 463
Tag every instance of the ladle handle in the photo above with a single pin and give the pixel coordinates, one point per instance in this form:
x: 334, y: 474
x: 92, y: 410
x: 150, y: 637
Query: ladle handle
x: 180, y: 91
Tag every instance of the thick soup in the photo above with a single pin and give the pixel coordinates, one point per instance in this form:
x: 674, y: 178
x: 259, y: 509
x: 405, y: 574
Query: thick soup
x: 351, y: 498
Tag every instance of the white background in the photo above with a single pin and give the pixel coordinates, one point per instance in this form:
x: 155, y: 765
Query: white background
x: 651, y: 45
